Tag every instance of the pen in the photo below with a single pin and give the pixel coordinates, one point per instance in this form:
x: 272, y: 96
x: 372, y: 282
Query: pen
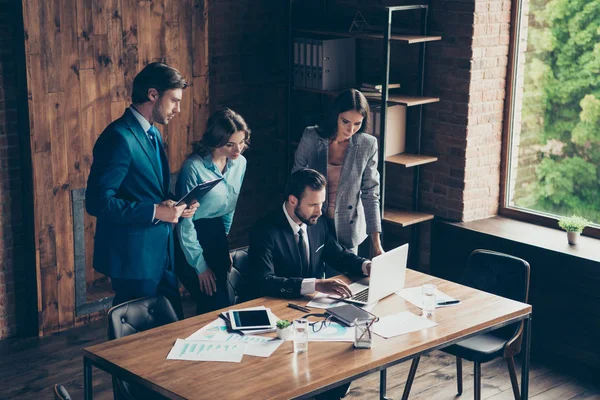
x: 446, y: 303
x: 299, y: 308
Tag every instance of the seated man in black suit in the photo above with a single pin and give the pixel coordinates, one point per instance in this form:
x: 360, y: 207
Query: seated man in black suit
x: 289, y: 247
x: 286, y: 266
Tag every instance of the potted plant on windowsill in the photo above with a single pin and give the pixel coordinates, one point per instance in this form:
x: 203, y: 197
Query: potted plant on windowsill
x: 284, y: 329
x: 574, y: 225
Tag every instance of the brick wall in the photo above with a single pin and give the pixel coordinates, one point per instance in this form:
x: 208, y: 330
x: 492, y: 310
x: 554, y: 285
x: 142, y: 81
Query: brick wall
x: 468, y: 71
x: 15, y: 278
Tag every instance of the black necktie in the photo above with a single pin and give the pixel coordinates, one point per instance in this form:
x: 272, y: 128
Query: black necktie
x: 303, y: 256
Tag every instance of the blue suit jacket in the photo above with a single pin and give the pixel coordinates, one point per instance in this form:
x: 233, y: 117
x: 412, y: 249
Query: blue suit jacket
x: 123, y: 186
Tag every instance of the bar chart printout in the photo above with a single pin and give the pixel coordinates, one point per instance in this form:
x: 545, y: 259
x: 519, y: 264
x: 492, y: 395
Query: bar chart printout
x: 205, y: 350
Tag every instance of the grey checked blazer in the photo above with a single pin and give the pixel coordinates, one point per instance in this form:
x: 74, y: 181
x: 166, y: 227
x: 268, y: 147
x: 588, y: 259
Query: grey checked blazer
x: 357, y: 203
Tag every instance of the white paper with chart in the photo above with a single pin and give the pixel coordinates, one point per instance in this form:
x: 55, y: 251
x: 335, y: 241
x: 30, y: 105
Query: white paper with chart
x: 205, y: 350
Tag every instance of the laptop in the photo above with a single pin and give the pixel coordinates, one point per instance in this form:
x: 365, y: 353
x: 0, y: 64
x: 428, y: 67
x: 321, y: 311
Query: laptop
x: 388, y: 272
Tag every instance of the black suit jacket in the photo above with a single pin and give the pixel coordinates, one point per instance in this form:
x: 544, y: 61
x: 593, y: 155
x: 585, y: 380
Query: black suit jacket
x: 275, y: 259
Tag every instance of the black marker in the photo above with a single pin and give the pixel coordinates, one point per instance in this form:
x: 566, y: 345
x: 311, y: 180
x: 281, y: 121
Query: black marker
x: 299, y: 308
x: 446, y: 303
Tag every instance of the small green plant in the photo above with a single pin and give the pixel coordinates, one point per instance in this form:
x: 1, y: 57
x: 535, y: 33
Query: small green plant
x: 574, y: 223
x: 283, y: 323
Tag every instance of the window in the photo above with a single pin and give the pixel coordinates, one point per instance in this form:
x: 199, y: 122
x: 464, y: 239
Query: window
x: 552, y: 163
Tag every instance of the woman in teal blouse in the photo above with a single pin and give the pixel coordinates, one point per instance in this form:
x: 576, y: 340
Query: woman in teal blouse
x: 202, y: 250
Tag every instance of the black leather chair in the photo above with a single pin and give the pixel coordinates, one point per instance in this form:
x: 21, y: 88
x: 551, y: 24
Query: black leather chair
x: 237, y: 282
x: 60, y: 393
x: 502, y: 275
x: 132, y: 317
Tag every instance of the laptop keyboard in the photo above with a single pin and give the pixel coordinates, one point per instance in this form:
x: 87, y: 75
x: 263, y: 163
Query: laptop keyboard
x: 363, y: 295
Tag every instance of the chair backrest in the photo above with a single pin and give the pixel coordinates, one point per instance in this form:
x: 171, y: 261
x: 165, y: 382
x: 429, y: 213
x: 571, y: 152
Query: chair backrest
x: 139, y: 315
x: 499, y: 274
x: 132, y: 317
x: 60, y: 393
x: 237, y: 282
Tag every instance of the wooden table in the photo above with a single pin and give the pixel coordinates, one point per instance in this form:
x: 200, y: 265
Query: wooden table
x: 141, y: 358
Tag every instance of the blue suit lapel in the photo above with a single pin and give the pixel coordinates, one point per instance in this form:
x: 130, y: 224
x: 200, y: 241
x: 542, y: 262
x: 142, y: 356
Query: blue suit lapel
x: 147, y: 147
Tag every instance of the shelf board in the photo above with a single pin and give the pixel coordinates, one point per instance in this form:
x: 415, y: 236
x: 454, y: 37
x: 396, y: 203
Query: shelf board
x: 401, y: 99
x: 408, y: 39
x: 404, y: 218
x: 410, y: 160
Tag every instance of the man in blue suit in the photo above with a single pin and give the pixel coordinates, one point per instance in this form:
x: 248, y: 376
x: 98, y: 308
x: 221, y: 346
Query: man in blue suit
x: 128, y: 192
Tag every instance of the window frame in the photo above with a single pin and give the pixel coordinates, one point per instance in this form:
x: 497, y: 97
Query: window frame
x: 519, y: 213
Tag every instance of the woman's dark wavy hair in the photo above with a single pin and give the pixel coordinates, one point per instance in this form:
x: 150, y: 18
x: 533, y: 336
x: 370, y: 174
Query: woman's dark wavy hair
x: 221, y: 125
x: 350, y: 99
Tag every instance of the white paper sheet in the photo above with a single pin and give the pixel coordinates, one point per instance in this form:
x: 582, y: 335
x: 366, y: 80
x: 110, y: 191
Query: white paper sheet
x: 414, y: 295
x: 257, y: 346
x: 322, y: 301
x: 204, y: 350
x: 333, y: 333
x: 401, y: 323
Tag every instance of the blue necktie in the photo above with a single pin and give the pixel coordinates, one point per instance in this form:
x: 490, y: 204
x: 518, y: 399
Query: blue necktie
x: 153, y: 133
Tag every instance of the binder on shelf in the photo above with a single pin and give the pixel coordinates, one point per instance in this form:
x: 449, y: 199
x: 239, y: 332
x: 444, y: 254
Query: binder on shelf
x: 395, y: 136
x: 326, y: 64
x: 315, y: 64
x: 296, y: 72
x: 308, y: 59
x: 302, y: 66
x: 320, y: 65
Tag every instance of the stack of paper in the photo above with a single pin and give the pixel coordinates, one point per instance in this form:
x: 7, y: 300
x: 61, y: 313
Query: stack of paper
x: 414, y: 295
x: 401, y: 323
x: 257, y: 346
x: 212, y: 342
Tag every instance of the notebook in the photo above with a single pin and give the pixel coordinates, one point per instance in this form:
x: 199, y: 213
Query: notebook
x: 347, y: 313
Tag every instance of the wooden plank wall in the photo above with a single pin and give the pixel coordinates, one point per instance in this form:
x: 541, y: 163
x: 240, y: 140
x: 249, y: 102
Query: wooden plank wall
x: 82, y: 56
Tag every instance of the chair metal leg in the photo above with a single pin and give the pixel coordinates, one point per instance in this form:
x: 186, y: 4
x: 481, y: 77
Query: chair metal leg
x: 459, y: 380
x: 513, y: 377
x: 477, y: 386
x: 411, y: 377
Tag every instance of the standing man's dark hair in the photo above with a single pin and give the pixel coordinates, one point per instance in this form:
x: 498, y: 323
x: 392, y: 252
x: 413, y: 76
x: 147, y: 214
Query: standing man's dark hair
x: 302, y: 179
x: 128, y: 192
x: 155, y: 75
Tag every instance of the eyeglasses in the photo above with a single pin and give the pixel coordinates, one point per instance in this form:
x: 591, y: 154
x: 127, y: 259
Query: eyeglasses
x: 317, y: 326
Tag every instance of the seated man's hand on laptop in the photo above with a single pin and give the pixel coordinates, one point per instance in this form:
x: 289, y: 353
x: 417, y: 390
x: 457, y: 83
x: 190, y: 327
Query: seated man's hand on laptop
x: 333, y: 286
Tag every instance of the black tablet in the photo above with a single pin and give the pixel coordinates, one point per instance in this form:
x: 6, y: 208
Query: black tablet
x: 250, y: 319
x: 199, y: 191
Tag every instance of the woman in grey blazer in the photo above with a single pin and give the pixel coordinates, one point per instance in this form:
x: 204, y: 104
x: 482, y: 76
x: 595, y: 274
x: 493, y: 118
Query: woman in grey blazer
x: 340, y: 149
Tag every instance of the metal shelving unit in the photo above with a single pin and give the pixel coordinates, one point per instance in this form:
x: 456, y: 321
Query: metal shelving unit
x: 391, y: 215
